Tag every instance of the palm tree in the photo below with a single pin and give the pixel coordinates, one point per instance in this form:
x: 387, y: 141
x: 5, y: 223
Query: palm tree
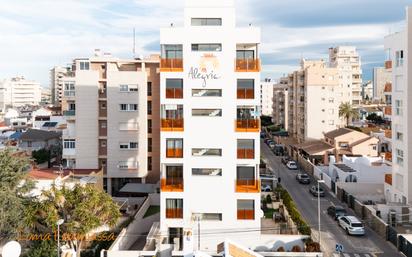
x: 347, y: 111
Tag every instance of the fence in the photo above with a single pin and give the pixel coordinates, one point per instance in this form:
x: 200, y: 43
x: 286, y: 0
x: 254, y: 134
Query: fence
x: 404, y: 246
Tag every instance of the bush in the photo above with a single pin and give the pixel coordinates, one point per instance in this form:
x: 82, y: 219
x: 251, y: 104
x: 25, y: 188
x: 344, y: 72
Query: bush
x: 268, y: 199
x: 296, y: 249
x: 280, y: 249
x: 41, y: 156
x: 312, y: 246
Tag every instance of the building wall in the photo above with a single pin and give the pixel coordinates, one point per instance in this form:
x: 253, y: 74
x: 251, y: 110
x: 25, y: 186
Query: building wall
x: 381, y: 76
x: 18, y: 91
x: 280, y: 106
x: 56, y: 75
x: 266, y: 97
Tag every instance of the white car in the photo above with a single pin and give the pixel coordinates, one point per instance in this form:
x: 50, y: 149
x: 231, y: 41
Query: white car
x: 267, y: 188
x: 351, y: 225
x: 292, y: 165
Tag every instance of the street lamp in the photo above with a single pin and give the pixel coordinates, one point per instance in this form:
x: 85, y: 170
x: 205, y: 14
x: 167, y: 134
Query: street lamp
x: 318, y: 189
x: 58, y: 223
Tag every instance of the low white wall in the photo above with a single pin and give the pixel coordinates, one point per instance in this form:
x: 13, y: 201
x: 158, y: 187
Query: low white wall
x: 128, y: 253
x: 364, y: 191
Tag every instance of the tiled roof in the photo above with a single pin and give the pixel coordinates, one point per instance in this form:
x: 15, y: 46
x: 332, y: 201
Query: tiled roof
x: 39, y: 135
x: 338, y: 132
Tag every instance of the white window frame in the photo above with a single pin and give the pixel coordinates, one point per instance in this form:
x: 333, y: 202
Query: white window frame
x: 84, y: 65
x: 129, y: 107
x: 69, y: 143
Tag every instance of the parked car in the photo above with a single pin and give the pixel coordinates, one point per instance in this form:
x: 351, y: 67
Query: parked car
x: 267, y: 140
x: 314, y: 190
x: 335, y: 211
x: 272, y: 145
x: 285, y: 160
x: 303, y: 178
x: 262, y: 135
x: 292, y: 165
x: 351, y: 225
x: 266, y: 188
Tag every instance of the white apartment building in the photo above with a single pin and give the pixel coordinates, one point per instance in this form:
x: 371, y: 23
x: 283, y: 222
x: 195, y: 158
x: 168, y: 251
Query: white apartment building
x: 347, y: 60
x: 57, y: 74
x: 398, y: 47
x: 112, y: 112
x: 209, y: 91
x: 381, y: 76
x: 18, y: 91
x: 266, y: 96
x: 280, y: 107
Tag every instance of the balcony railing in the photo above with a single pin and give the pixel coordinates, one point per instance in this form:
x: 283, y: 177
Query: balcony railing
x: 388, y: 88
x: 247, y: 65
x: 171, y: 65
x: 388, y: 156
x: 245, y: 94
x: 172, y: 124
x: 388, y: 64
x: 247, y: 125
x: 245, y: 153
x: 69, y: 113
x: 388, y: 133
x: 171, y: 184
x: 247, y: 186
x: 388, y: 110
x: 174, y: 93
x: 388, y: 179
x: 245, y: 214
x: 174, y: 152
x: 174, y: 213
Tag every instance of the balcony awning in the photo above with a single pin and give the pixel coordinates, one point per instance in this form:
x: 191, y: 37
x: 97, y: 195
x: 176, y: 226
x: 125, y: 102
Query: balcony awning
x: 138, y: 188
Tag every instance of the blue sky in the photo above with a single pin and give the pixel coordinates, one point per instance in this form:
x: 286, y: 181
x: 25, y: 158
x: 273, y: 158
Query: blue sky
x: 37, y: 35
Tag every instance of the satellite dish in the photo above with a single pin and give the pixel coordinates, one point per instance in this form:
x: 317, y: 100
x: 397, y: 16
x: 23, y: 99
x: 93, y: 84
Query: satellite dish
x: 11, y: 249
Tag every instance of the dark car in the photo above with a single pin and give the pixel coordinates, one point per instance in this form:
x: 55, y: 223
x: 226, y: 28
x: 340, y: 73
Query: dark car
x: 303, y: 178
x: 336, y: 211
x: 314, y: 190
x: 285, y: 160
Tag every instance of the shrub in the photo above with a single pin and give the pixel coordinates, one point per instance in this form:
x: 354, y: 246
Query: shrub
x: 296, y: 249
x: 268, y: 199
x: 312, y: 246
x: 280, y: 249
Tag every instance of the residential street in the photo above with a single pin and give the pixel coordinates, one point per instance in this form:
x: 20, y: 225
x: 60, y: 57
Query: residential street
x: 369, y: 245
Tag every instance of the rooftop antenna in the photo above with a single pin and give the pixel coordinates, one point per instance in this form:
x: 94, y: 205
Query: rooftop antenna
x: 134, y: 41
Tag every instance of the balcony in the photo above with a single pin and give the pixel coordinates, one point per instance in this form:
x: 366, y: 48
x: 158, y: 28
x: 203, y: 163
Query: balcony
x: 174, y: 152
x: 388, y: 179
x: 387, y: 110
x: 172, y: 124
x: 174, y: 93
x: 247, y: 186
x: 245, y: 214
x: 388, y: 133
x: 247, y: 125
x: 388, y: 88
x: 245, y: 94
x: 171, y: 65
x: 388, y: 65
x: 69, y: 93
x: 69, y: 113
x: 247, y: 65
x: 174, y: 213
x: 171, y: 184
x: 102, y: 94
x: 388, y: 156
x: 246, y: 153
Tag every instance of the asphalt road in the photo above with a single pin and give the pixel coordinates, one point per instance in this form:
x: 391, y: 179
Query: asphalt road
x: 331, y: 234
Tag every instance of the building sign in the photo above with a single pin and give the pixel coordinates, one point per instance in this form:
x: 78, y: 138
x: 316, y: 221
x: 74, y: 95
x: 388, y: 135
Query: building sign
x: 207, y: 70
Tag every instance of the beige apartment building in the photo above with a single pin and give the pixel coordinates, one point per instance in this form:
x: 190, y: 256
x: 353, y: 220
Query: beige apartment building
x: 313, y: 93
x: 57, y: 75
x: 112, y: 112
x: 280, y: 106
x: 347, y: 60
x: 381, y: 76
x: 17, y: 92
x: 266, y: 96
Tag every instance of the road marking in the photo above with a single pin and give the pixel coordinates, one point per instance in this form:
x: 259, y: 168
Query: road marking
x: 346, y: 255
x: 357, y: 255
x: 367, y: 255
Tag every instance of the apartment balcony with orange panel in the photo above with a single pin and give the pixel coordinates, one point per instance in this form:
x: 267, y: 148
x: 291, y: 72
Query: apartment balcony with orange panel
x: 245, y: 153
x: 247, y: 186
x: 174, y: 152
x: 171, y: 184
x: 171, y: 65
x: 247, y: 125
x: 247, y: 65
x: 172, y: 125
x: 388, y: 64
x: 388, y: 179
x: 245, y: 94
x: 387, y: 110
x: 174, y: 93
x: 245, y: 214
x: 388, y: 156
x: 388, y: 88
x: 388, y: 133
x: 174, y: 213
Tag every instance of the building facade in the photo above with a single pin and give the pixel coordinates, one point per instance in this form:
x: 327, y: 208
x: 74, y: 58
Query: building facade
x: 57, y: 74
x: 381, y: 76
x: 18, y: 91
x: 209, y: 88
x: 266, y: 96
x: 280, y: 106
x: 112, y: 112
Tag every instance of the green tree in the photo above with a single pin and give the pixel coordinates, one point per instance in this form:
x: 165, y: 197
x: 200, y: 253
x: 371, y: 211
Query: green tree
x: 347, y: 111
x: 83, y: 209
x: 41, y: 155
x: 373, y: 117
x: 43, y: 248
x: 14, y: 184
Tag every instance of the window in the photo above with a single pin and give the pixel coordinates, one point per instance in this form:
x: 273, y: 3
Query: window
x: 331, y: 100
x: 399, y: 157
x: 128, y: 88
x: 149, y: 144
x: 207, y: 112
x: 174, y: 208
x: 149, y: 88
x: 68, y: 143
x: 174, y: 148
x: 206, y: 152
x: 149, y: 107
x: 172, y: 51
x: 398, y: 107
x: 103, y: 106
x: 149, y: 163
x: 128, y: 107
x: 245, y: 88
x: 102, y: 143
x: 103, y: 124
x: 206, y: 172
x: 69, y: 86
x: 206, y: 47
x: 124, y: 165
x: 399, y: 58
x: 208, y: 216
x: 343, y: 144
x: 206, y: 92
x: 84, y: 65
x: 245, y: 209
x: 245, y: 173
x: 129, y: 145
x: 149, y: 126
x: 245, y: 54
x: 399, y: 136
x: 124, y: 145
x: 174, y: 88
x: 206, y: 22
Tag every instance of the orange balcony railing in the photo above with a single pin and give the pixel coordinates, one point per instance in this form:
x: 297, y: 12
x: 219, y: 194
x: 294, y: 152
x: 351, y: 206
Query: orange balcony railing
x: 174, y: 93
x: 171, y: 65
x: 171, y: 184
x: 245, y: 214
x: 174, y: 213
x: 387, y: 110
x: 247, y: 125
x: 388, y: 88
x: 388, y: 179
x: 245, y: 94
x: 245, y: 153
x: 388, y: 156
x: 174, y: 152
x: 247, y: 65
x: 388, y: 133
x: 247, y: 186
x: 388, y: 64
x: 172, y: 124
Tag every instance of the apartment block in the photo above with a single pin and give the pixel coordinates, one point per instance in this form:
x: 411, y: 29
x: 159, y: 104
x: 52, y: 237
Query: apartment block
x: 381, y: 77
x: 209, y: 91
x: 266, y: 96
x: 280, y: 106
x: 347, y: 60
x: 57, y: 74
x: 112, y: 110
x: 314, y: 101
x: 398, y: 47
x: 17, y: 92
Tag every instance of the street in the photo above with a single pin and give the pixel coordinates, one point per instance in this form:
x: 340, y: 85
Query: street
x: 331, y: 234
